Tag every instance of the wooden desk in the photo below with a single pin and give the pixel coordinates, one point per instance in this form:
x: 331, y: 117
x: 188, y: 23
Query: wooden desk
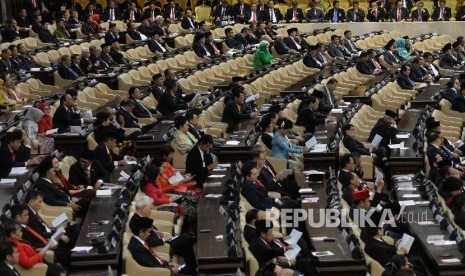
x: 100, y: 209
x: 341, y: 263
x: 425, y: 97
x: 212, y: 255
x: 45, y: 76
x: 407, y: 160
x: 421, y: 232
x: 358, y: 93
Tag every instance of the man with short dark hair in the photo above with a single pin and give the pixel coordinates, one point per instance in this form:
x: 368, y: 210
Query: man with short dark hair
x: 294, y: 14
x: 355, y: 14
x: 400, y: 13
x: 65, y: 115
x: 386, y: 128
x: 9, y: 257
x: 441, y: 13
x: 199, y: 161
x: 87, y: 172
x: 105, y: 155
x: 8, y: 154
x: 234, y: 112
x: 335, y: 14
x: 458, y: 103
x: 404, y: 80
x: 362, y: 64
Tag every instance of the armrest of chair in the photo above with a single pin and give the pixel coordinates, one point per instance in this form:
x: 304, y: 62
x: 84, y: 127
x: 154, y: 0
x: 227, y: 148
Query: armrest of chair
x: 36, y: 270
x: 146, y: 121
x: 55, y: 211
x: 215, y: 132
x: 162, y: 215
x: 165, y: 248
x: 274, y: 195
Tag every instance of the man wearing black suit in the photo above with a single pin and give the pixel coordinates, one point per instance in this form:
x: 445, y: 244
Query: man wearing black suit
x: 9, y: 257
x: 223, y: 11
x: 230, y: 41
x: 254, y: 191
x: 458, y: 103
x: 10, y: 33
x: 448, y: 59
x: 240, y: 10
x: 404, y: 80
x: 348, y: 43
x: 355, y: 14
x: 272, y: 14
x: 335, y: 14
x: 45, y: 35
x: 308, y: 118
x: 169, y: 101
x: 376, y: 14
x: 88, y: 172
x: 64, y: 69
x: 386, y: 128
x: 111, y: 13
x: 192, y: 116
x: 362, y: 64
x: 172, y: 12
x: 294, y: 14
x: 399, y: 14
x: 32, y: 5
x: 8, y: 154
x: 420, y: 14
x: 441, y: 13
x: 155, y: 44
x: 132, y: 14
x: 115, y: 53
x: 233, y: 112
x: 347, y: 165
x: 199, y: 161
x: 53, y: 195
x: 314, y: 14
x: 104, y: 154
x: 66, y: 116
x: 294, y: 42
x: 188, y: 22
x: 417, y: 72
x: 250, y: 232
x: 253, y: 15
x: 389, y: 55
x: 242, y: 37
x: 281, y: 48
x: 436, y: 150
x: 151, y: 13
x: 73, y: 5
x: 141, y: 251
x: 310, y: 59
x: 112, y: 34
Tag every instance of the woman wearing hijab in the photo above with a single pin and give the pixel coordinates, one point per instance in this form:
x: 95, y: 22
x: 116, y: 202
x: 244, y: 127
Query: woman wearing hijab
x: 401, y: 48
x: 262, y: 57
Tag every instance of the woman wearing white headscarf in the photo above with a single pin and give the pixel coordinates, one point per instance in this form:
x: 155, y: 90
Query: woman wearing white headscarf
x: 30, y: 126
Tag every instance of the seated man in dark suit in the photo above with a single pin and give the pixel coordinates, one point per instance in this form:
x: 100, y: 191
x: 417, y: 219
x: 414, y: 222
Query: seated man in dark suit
x: 355, y: 14
x: 442, y: 13
x: 88, y: 172
x: 132, y: 14
x: 281, y: 48
x: 230, y: 41
x: 66, y: 115
x: 449, y: 58
x: 199, y: 161
x: 234, y: 112
x: 8, y: 154
x: 141, y: 251
x: 458, y: 103
x: 140, y: 110
x: 9, y: 257
x: 170, y: 101
x: 294, y: 14
x: 65, y: 70
x: 308, y: 116
x: 362, y: 64
x: 111, y: 12
x: 151, y: 12
x: 240, y: 10
x: 347, y: 165
x: 45, y: 35
x: 104, y: 154
x: 266, y: 248
x: 311, y: 60
x: 314, y: 14
x: 112, y: 34
x: 420, y: 14
x: 188, y: 22
x: 115, y: 53
x: 375, y: 13
x: 10, y: 33
x: 53, y: 195
x: 400, y: 13
x: 386, y: 128
x: 404, y: 80
x: 156, y: 44
x: 335, y: 14
x: 172, y: 12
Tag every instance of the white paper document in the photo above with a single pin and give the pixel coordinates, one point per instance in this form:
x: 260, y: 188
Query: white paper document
x: 410, y: 196
x: 406, y: 242
x: 285, y: 173
x: 17, y: 171
x: 337, y: 110
x: 402, y: 136
x: 51, y: 131
x: 322, y: 253
x: 376, y: 140
x: 407, y: 202
x: 233, y: 142
x: 103, y: 193
x: 7, y: 181
x: 176, y: 178
x: 320, y: 148
x: 311, y: 142
x: 252, y: 98
x: 305, y: 190
x: 293, y: 237
x: 58, y: 233
x: 309, y: 172
x: 217, y: 176
x: 59, y: 220
x: 292, y: 253
x: 379, y: 177
x: 82, y: 249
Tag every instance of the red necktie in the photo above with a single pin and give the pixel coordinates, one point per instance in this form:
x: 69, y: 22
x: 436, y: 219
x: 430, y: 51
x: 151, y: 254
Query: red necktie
x: 110, y: 156
x: 152, y: 15
x: 34, y: 4
x: 217, y: 52
x: 37, y: 235
x: 295, y: 15
x: 441, y: 14
x: 419, y: 15
x: 259, y: 183
x: 254, y: 17
x: 271, y: 16
x: 278, y: 242
x: 132, y: 16
x: 153, y: 253
x: 399, y: 15
x: 376, y: 13
x: 355, y: 16
x: 172, y: 13
x: 13, y: 156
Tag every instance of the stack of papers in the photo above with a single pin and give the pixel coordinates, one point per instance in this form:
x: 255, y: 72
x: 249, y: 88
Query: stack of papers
x: 320, y: 148
x: 292, y: 240
x: 311, y: 142
x: 309, y: 172
x: 176, y: 178
x: 406, y: 242
x: 305, y: 190
x: 376, y: 140
x: 217, y: 176
x: 233, y: 142
x: 59, y: 220
x: 7, y: 182
x: 103, y: 193
x: 403, y: 136
x: 322, y: 253
x: 82, y: 249
x: 17, y: 171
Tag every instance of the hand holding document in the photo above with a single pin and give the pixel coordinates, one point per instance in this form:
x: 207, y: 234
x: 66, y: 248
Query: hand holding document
x: 293, y: 237
x: 406, y: 242
x: 176, y: 178
x: 59, y: 220
x: 311, y: 142
x: 376, y: 140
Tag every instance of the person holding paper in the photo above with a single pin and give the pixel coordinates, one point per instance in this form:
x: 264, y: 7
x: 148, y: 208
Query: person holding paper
x: 166, y: 172
x: 234, y: 112
x: 386, y: 128
x: 457, y: 149
x: 20, y: 214
x: 437, y: 152
x: 354, y: 185
x: 266, y: 248
x: 105, y: 155
x: 347, y: 163
x: 308, y: 116
x: 65, y: 115
x: 28, y: 257
x: 282, y: 147
x: 9, y: 152
x: 87, y: 172
x: 9, y: 257
x: 200, y: 161
x: 382, y: 252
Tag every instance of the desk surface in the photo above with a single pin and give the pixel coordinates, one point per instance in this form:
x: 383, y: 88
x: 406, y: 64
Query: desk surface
x: 358, y: 93
x: 425, y: 97
x: 418, y: 213
x: 341, y: 263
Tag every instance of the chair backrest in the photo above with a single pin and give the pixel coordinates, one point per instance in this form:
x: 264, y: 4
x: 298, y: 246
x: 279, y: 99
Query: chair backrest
x: 202, y: 13
x: 91, y: 143
x: 179, y: 159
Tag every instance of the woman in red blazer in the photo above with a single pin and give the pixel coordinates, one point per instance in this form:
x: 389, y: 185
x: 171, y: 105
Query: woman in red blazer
x: 28, y: 257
